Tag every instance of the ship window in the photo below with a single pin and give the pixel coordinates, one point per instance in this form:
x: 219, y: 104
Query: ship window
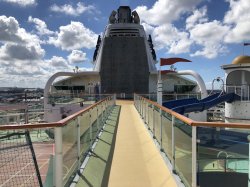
x: 183, y: 88
x: 124, y: 32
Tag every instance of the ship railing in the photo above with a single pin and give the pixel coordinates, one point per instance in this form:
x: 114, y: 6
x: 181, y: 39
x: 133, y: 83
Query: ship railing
x: 192, y: 147
x: 242, y: 90
x: 70, y: 141
x: 172, y: 96
x: 72, y: 98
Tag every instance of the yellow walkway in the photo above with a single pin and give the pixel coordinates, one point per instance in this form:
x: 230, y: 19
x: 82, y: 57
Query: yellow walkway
x: 136, y: 160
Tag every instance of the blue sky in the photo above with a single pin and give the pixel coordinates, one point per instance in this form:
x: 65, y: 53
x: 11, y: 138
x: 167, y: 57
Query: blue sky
x: 41, y: 37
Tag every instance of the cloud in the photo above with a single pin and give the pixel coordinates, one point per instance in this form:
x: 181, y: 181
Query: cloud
x: 22, y: 56
x: 238, y: 18
x: 169, y: 37
x: 22, y: 3
x: 72, y: 11
x: 74, y: 36
x: 57, y: 61
x: 165, y: 11
x: 148, y: 28
x: 198, y: 16
x: 40, y: 26
x: 21, y: 52
x: 77, y: 56
x: 210, y: 36
x: 10, y: 31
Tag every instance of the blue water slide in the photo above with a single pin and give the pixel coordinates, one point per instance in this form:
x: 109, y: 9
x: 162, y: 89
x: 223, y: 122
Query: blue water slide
x: 180, y: 102
x: 186, y: 106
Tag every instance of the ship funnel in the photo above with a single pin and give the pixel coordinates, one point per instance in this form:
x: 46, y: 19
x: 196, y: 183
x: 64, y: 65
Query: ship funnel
x: 124, y: 14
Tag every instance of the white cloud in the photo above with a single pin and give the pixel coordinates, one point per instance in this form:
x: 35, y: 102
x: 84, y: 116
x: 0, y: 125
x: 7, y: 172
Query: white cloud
x: 210, y: 32
x: 74, y: 36
x: 40, y: 26
x: 72, y: 11
x: 77, y: 56
x: 17, y: 43
x: 210, y: 51
x: 238, y: 17
x: 239, y: 11
x: 22, y: 3
x: 165, y: 11
x: 211, y: 36
x: 198, y: 16
x: 148, y: 28
x: 21, y: 52
x: 57, y: 61
x: 10, y: 31
x: 22, y: 56
x: 169, y: 37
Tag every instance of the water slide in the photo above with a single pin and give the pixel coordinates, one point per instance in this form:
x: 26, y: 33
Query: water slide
x: 194, y: 105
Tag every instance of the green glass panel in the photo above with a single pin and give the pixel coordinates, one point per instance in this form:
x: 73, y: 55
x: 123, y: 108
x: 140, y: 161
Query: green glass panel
x: 183, y: 151
x: 69, y: 143
x: 167, y: 134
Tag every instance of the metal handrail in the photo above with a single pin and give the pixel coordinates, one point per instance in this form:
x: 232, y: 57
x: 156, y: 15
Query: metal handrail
x: 60, y: 123
x: 191, y: 122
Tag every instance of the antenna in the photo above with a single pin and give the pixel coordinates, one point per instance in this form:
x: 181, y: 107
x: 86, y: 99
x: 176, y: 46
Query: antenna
x: 245, y: 44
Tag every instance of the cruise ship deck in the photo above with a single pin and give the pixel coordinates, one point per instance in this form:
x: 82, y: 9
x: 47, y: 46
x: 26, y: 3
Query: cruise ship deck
x: 124, y: 143
x: 136, y: 160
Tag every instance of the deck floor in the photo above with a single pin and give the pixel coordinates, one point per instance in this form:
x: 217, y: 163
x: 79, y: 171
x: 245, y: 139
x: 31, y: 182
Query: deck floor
x: 136, y: 159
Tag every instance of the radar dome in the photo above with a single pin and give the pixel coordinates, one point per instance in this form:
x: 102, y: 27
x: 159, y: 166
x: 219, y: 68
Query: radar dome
x: 241, y: 60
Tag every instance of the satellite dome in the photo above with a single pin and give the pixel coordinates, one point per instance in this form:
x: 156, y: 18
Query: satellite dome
x: 241, y: 60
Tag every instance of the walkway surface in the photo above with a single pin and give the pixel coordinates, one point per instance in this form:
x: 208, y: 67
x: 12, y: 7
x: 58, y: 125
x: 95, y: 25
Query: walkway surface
x: 136, y: 160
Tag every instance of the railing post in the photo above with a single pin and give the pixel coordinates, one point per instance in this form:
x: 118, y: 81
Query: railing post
x: 142, y: 112
x: 194, y: 156
x: 248, y: 93
x: 97, y: 119
x: 153, y: 121
x: 161, y: 129
x: 114, y: 98
x: 102, y: 113
x: 173, y: 144
x: 90, y: 128
x: 140, y: 105
x: 148, y: 114
x: 58, y: 169
x: 78, y: 141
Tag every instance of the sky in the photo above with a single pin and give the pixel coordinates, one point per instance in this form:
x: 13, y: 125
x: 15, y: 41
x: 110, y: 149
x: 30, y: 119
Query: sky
x: 41, y: 37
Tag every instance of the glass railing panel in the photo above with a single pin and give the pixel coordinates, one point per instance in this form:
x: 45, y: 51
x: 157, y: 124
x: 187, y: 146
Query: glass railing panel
x: 69, y: 145
x: 239, y: 165
x: 224, y: 151
x: 167, y: 134
x: 146, y: 113
x: 150, y: 115
x: 157, y: 123
x: 183, y: 151
x: 85, y: 141
x: 94, y: 124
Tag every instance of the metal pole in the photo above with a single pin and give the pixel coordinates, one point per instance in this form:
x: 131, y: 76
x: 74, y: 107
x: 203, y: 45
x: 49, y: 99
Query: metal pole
x: 161, y: 129
x: 153, y: 121
x: 90, y: 128
x: 248, y: 138
x: 78, y: 141
x: 97, y: 119
x: 194, y: 156
x: 143, y: 109
x: 58, y: 177
x: 173, y: 144
x: 102, y: 112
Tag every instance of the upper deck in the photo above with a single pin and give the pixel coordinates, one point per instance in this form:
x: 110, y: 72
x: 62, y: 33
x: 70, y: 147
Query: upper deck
x: 103, y: 145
